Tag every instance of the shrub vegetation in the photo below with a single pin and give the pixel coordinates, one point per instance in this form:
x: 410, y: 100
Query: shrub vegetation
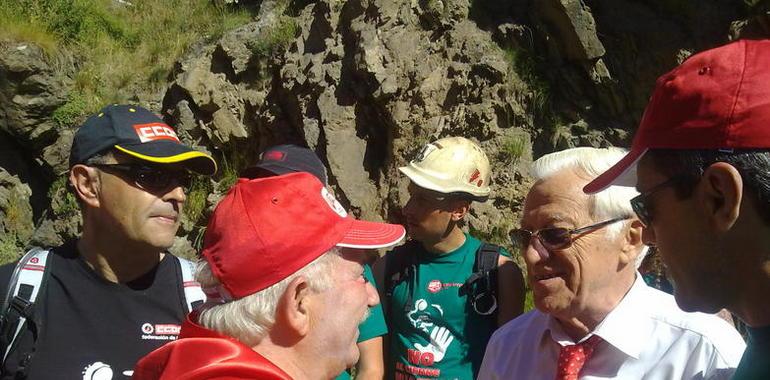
x: 123, y: 47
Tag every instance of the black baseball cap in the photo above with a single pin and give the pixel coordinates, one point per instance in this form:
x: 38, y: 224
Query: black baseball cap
x: 139, y: 133
x: 285, y: 159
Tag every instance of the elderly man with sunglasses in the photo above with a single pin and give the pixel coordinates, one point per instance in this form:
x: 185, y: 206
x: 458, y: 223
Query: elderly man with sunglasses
x: 105, y: 299
x: 595, y: 316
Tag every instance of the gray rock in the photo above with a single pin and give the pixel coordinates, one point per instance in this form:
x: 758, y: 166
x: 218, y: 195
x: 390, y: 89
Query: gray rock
x: 16, y: 224
x: 573, y: 25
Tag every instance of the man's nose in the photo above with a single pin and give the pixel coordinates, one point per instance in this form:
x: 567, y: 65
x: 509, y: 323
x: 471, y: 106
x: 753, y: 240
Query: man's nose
x: 177, y: 194
x: 648, y: 236
x: 535, y: 251
x: 372, y: 298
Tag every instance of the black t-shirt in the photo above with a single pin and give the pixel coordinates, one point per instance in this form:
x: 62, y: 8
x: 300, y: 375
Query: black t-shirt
x: 96, y: 329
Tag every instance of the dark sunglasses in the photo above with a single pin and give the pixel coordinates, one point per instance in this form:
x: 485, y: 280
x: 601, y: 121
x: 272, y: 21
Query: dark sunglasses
x: 556, y: 238
x: 149, y: 178
x: 642, y: 205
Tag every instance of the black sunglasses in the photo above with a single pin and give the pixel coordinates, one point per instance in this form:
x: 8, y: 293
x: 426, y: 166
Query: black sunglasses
x: 556, y: 238
x: 642, y: 205
x: 149, y: 178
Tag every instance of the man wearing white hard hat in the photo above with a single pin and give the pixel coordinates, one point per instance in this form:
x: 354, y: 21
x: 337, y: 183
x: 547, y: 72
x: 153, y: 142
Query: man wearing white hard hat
x: 444, y: 291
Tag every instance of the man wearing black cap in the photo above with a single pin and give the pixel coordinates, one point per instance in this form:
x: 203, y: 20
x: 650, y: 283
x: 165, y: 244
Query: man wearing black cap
x: 289, y: 158
x: 93, y: 306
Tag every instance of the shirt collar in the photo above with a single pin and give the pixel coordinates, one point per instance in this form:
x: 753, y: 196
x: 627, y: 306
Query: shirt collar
x: 626, y: 327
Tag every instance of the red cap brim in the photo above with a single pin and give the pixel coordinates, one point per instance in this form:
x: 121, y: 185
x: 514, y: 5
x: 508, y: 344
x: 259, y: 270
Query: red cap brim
x: 372, y: 235
x: 621, y: 174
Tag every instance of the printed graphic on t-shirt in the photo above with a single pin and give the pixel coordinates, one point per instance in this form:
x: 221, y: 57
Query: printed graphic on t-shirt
x: 102, y: 371
x: 440, y: 337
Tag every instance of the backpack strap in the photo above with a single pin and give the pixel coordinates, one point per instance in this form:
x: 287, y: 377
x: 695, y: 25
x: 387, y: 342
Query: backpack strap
x: 26, y: 282
x: 481, y: 285
x: 400, y: 266
x: 193, y: 294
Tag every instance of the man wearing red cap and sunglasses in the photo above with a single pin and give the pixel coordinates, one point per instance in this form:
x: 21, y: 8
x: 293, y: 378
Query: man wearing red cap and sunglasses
x: 282, y: 271
x: 596, y: 317
x: 701, y: 159
x: 93, y: 306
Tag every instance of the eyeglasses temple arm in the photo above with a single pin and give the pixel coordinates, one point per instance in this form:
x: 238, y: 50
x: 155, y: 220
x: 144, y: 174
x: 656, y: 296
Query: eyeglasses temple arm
x: 597, y: 225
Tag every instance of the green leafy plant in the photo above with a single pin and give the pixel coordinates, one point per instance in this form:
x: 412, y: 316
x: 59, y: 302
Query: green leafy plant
x: 69, y: 113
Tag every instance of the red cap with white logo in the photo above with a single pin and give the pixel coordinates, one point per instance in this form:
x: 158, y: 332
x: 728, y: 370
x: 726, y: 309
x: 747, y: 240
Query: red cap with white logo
x: 266, y: 229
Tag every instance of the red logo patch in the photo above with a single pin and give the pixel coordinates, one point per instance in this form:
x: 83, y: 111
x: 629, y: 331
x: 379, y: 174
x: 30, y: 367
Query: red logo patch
x: 274, y: 155
x: 34, y: 260
x: 434, y: 286
x: 474, y: 176
x: 155, y: 131
x: 167, y: 329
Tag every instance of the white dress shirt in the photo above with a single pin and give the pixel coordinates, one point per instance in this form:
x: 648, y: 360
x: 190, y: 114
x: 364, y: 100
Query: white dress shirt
x: 645, y: 337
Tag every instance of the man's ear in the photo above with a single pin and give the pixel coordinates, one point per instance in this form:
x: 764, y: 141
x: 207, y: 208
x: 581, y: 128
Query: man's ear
x: 632, y: 242
x: 85, y: 182
x: 719, y: 193
x: 294, y: 306
x: 459, y: 208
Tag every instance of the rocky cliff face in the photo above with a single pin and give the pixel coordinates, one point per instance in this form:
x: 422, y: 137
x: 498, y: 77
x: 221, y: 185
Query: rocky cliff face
x: 365, y: 83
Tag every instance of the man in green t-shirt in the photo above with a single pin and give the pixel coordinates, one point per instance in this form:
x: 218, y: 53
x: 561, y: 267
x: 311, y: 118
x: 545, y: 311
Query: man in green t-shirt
x: 435, y: 332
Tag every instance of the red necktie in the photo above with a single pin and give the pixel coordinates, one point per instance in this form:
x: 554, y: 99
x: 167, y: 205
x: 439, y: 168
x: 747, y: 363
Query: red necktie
x: 574, y: 356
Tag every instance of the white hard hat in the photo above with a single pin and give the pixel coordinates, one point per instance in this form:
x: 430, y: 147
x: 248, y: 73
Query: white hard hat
x: 451, y: 165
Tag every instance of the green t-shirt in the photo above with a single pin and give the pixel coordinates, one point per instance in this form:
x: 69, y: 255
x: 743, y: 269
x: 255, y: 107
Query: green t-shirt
x: 373, y: 326
x: 436, y: 313
x: 755, y: 363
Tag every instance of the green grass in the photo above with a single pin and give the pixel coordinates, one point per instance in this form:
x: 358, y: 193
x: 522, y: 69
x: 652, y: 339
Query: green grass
x: 529, y: 301
x: 69, y: 113
x: 9, y: 249
x: 525, y: 66
x: 197, y: 197
x: 276, y: 38
x: 63, y: 202
x: 514, y: 147
x: 122, y: 49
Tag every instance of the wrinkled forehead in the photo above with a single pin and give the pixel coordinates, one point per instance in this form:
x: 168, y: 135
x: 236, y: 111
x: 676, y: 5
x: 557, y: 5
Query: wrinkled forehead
x: 558, y: 197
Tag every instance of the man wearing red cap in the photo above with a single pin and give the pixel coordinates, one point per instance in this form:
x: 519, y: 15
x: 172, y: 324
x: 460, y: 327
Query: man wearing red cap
x: 283, y: 276
x: 701, y: 161
x: 289, y: 158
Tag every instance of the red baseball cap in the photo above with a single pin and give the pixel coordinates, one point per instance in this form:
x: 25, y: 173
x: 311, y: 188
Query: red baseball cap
x: 266, y: 229
x: 716, y: 99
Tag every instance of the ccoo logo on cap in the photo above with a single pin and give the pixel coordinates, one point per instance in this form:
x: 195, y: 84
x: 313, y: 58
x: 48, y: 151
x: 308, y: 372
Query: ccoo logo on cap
x: 139, y: 133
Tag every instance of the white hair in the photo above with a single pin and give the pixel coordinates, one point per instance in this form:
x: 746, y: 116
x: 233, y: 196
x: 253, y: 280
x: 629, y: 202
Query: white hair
x: 612, y: 202
x: 249, y: 319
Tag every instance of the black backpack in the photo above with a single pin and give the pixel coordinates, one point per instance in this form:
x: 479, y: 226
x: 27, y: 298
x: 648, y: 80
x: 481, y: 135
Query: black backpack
x: 29, y: 279
x: 480, y: 286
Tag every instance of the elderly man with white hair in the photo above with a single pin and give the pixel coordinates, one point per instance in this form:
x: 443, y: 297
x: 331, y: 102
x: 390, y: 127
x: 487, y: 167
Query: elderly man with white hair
x: 283, y: 276
x: 595, y: 317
